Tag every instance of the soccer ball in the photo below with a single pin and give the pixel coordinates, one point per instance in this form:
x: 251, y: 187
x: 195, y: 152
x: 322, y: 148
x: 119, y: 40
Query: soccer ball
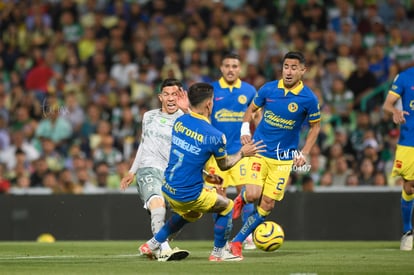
x: 268, y: 236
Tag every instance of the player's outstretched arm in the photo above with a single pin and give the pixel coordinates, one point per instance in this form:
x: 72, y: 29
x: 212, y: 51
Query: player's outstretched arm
x: 249, y: 149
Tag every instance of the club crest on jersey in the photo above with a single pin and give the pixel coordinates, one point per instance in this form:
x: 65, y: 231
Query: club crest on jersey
x: 242, y: 99
x: 293, y: 107
x: 256, y: 166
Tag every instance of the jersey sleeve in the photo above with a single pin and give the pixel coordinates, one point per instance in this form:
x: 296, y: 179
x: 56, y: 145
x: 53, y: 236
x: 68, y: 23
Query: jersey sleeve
x: 314, y: 111
x: 397, y: 87
x: 135, y: 163
x: 260, y: 99
x: 219, y: 149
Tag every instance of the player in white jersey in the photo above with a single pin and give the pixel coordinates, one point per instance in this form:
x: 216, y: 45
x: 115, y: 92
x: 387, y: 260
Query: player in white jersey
x: 152, y: 158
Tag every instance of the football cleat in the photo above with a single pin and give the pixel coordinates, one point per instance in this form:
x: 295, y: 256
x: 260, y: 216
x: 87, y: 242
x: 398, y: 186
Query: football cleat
x: 238, y: 206
x: 248, y: 244
x: 407, y: 241
x: 175, y: 254
x: 144, y: 250
x: 214, y: 258
x: 226, y: 256
x: 236, y: 249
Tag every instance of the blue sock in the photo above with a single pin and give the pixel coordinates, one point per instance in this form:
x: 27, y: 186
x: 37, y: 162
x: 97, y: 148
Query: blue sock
x: 248, y: 210
x: 222, y: 229
x: 248, y: 226
x: 407, y: 214
x: 175, y: 223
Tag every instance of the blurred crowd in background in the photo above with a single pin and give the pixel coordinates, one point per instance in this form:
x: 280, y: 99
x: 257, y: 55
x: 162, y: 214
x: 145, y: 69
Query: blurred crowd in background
x: 76, y: 77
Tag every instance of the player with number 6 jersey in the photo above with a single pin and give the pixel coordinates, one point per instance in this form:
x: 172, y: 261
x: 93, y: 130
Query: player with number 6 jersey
x: 232, y: 97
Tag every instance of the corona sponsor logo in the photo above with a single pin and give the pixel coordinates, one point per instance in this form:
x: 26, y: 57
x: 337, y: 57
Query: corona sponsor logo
x: 180, y: 128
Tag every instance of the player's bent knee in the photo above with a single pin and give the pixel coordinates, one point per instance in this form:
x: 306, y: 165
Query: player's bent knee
x: 252, y: 196
x: 155, y: 202
x: 228, y: 208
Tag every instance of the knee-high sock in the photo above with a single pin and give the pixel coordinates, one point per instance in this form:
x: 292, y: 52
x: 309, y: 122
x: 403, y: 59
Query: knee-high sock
x: 250, y: 225
x: 248, y: 210
x: 175, y: 223
x: 407, y: 203
x: 157, y: 219
x: 222, y: 229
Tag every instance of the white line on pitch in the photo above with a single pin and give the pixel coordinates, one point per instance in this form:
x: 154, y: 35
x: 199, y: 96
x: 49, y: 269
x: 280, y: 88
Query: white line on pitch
x: 63, y: 257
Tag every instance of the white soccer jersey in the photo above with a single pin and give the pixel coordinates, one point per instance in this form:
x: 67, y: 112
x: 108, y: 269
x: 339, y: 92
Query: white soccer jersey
x: 155, y: 145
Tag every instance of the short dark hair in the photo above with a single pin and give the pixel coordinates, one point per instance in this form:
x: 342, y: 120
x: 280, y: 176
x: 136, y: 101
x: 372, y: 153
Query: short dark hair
x: 170, y: 82
x: 295, y: 55
x: 231, y: 56
x: 199, y: 92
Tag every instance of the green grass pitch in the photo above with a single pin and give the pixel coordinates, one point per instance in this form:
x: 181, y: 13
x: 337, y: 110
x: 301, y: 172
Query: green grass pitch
x: 121, y: 257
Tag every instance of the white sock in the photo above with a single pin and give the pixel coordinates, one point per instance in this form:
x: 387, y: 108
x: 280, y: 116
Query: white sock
x: 157, y: 219
x: 165, y: 246
x: 153, y: 244
x: 217, y: 251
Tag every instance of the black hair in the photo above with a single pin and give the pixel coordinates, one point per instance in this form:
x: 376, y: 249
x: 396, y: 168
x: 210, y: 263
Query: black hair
x: 295, y: 55
x: 170, y: 82
x: 199, y: 92
x: 231, y: 56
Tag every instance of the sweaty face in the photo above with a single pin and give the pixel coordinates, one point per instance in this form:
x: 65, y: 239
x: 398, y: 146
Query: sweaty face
x: 230, y: 69
x: 292, y: 73
x: 168, y: 98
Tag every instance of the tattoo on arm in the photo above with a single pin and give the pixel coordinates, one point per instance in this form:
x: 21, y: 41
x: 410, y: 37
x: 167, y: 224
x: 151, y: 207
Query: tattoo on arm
x: 229, y: 161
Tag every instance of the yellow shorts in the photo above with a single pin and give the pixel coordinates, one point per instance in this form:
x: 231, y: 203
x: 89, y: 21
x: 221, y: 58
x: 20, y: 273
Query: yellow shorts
x: 193, y: 210
x: 271, y: 174
x: 232, y: 177
x: 404, y: 162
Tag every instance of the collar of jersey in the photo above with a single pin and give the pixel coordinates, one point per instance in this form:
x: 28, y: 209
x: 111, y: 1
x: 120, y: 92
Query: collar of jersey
x: 199, y: 116
x: 223, y: 84
x: 295, y: 91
